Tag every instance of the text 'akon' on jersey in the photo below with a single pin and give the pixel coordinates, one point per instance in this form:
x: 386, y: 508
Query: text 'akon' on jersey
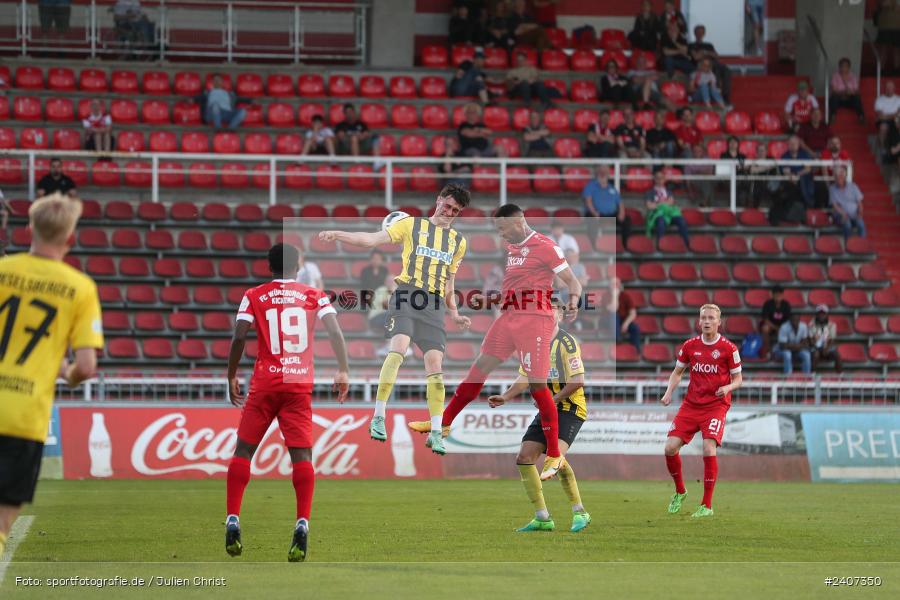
x: 710, y: 365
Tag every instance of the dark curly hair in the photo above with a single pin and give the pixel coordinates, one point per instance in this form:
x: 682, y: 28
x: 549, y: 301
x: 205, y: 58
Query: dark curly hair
x: 457, y: 192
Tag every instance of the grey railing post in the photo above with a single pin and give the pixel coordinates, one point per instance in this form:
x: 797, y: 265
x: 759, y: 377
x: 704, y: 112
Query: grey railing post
x: 32, y: 186
x: 503, y: 176
x: 154, y: 178
x: 273, y: 181
x: 389, y: 184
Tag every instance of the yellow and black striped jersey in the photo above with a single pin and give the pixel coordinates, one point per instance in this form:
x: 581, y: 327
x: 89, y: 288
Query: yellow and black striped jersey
x: 565, y: 363
x: 430, y: 253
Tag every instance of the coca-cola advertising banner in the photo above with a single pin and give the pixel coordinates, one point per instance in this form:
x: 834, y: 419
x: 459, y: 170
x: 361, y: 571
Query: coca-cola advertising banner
x: 195, y: 442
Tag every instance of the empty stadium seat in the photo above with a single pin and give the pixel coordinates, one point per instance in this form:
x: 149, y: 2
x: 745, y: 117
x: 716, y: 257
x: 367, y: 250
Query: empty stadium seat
x: 249, y: 84
x: 156, y: 83
x: 186, y: 113
x: 27, y: 108
x: 280, y: 114
x: 583, y: 91
x: 767, y: 123
x: 311, y: 85
x: 341, y: 86
x: 196, y: 142
x: 435, y: 57
x: 279, y: 85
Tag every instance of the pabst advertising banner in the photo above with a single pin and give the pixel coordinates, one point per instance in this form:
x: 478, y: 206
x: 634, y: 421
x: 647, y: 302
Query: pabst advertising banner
x: 197, y: 442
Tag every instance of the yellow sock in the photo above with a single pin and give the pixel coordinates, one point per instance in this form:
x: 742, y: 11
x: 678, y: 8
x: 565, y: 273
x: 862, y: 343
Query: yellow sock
x: 531, y: 479
x: 570, y: 485
x: 388, y: 376
x: 2, y: 542
x: 434, y: 394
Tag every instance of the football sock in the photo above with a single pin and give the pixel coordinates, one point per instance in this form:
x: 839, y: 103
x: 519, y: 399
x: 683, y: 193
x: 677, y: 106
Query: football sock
x: 434, y: 394
x: 531, y: 479
x: 2, y: 542
x: 570, y: 486
x: 304, y: 479
x: 710, y: 472
x: 465, y: 392
x: 386, y: 381
x: 235, y: 484
x: 549, y: 419
x: 673, y: 463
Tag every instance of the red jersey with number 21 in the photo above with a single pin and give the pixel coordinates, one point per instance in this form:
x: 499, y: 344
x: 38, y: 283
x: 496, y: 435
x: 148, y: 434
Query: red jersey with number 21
x: 284, y: 313
x: 530, y: 267
x: 710, y: 365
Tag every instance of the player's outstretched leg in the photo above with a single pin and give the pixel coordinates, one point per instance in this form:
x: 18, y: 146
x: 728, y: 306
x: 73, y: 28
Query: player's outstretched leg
x: 304, y: 480
x: 580, y: 517
x: 236, y: 482
x: 465, y: 392
x: 434, y: 395
x: 550, y: 425
x: 386, y: 380
x: 532, y: 482
x: 673, y: 464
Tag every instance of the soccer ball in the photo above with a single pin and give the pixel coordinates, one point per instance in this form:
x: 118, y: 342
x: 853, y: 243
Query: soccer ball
x: 392, y: 218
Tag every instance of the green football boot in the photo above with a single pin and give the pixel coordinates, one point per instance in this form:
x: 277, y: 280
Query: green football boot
x: 377, y: 430
x: 435, y: 441
x: 702, y: 511
x: 675, y: 502
x: 538, y: 525
x: 580, y: 520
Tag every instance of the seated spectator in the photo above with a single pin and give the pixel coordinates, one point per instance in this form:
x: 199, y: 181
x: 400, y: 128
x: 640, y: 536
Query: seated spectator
x: 661, y: 141
x: 453, y: 170
x: 524, y: 82
x: 309, y: 273
x: 602, y: 199
x: 220, y: 105
x: 798, y: 108
x: 601, y: 140
x: 845, y: 91
x: 704, y: 87
x: 564, y: 240
x: 498, y: 34
x: 98, y: 129
x: 462, y: 27
x: 645, y: 33
x: 630, y: 136
x: 56, y: 181
x: 671, y: 15
x: 474, y: 135
x: 887, y: 106
x: 700, y: 189
x: 373, y: 274
x: 755, y: 11
x: 763, y: 185
x: 800, y: 180
x: 687, y: 135
x: 643, y: 85
x: 614, y: 87
x: 133, y: 28
x: 814, y: 134
x: 54, y: 14
x: 617, y: 302
x: 834, y: 152
x: 545, y: 12
x: 793, y: 342
x: 846, y: 199
x: 537, y: 137
x: 525, y: 29
x: 776, y: 311
x: 470, y: 79
x: 733, y: 153
x: 662, y: 210
x: 701, y: 49
x: 675, y: 51
x: 353, y: 136
x: 319, y: 139
x: 822, y: 336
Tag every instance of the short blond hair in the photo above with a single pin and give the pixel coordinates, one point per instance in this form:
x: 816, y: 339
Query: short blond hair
x: 714, y: 307
x: 53, y: 218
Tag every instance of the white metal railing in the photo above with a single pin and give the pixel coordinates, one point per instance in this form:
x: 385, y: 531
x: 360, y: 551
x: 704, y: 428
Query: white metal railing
x: 724, y: 170
x: 289, y: 25
x: 814, y: 26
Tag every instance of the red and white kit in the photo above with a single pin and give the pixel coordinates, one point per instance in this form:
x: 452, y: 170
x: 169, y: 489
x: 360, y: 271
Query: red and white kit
x: 93, y: 121
x: 710, y: 365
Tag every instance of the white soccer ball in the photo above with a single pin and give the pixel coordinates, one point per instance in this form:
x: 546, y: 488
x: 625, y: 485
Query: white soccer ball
x: 392, y: 218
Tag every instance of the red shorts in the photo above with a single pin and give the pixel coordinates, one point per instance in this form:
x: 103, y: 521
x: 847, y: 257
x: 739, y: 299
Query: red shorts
x: 293, y: 411
x: 529, y: 335
x: 709, y: 421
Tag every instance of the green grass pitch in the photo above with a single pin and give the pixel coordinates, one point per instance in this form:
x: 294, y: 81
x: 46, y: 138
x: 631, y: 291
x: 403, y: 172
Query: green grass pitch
x: 454, y: 539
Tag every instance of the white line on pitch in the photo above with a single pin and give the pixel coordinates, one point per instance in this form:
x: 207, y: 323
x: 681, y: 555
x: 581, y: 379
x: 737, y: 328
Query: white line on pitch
x: 16, y: 535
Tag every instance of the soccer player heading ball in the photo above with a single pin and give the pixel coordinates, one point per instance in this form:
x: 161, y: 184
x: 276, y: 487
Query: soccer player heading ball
x: 431, y: 254
x: 715, y: 372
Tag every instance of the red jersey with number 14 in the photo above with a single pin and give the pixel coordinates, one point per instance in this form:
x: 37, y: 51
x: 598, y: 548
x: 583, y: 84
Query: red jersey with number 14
x: 530, y: 267
x: 711, y: 365
x: 284, y: 313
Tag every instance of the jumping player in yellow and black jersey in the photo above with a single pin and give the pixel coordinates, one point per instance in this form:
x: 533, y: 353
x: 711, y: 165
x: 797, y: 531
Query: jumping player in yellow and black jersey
x: 566, y: 381
x: 46, y: 307
x: 431, y: 254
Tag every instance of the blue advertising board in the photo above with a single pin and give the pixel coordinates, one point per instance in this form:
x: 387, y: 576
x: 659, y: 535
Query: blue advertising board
x: 862, y: 446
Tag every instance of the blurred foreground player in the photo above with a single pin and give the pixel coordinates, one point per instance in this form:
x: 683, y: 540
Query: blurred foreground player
x: 567, y: 382
x: 284, y: 314
x: 715, y: 372
x: 46, y: 307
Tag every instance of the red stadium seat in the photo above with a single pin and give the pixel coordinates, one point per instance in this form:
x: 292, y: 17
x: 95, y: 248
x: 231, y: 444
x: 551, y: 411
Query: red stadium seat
x: 575, y: 178
x: 196, y: 142
x: 584, y: 118
x: 614, y: 55
x: 695, y: 298
x: 678, y: 325
x: 546, y: 180
x: 257, y: 143
x: 375, y: 116
x: 556, y: 119
x: 360, y: 177
x: 638, y: 179
x: 829, y: 245
x: 249, y: 84
x: 422, y: 179
x: 747, y: 148
x: 883, y: 353
x: 279, y: 85
x: 92, y: 80
x: 34, y: 138
x: 130, y: 141
x: 341, y: 86
x: 509, y: 144
x: 765, y: 245
x: 777, y: 148
x: 674, y: 91
x: 412, y: 145
x: 201, y: 268
x: 708, y: 122
x: 280, y: 114
x: 653, y: 271
x: 797, y: 245
x: 29, y: 78
x: 715, y: 148
x: 192, y: 240
x: 403, y: 86
x: 122, y: 348
x: 435, y: 57
x: 188, y: 83
x: 432, y: 87
x: 226, y: 142
x: 307, y: 111
x: 823, y: 296
x: 234, y: 175
x: 852, y: 353
x: 105, y: 173
x: 715, y: 273
x: 583, y: 60
x: 288, y: 143
x: 186, y: 113
x: 93, y: 238
x: 613, y: 39
x: 885, y: 298
x: 583, y: 91
x: 857, y: 245
x: 553, y: 60
x: 567, y: 147
x: 496, y: 58
x: 298, y: 177
x: 624, y: 353
x: 155, y: 112
x: 855, y: 298
x: 59, y: 79
x: 117, y: 210
x: 27, y: 108
x: 778, y: 273
x: 460, y: 53
x: 657, y: 353
x: 518, y: 180
x: 311, y: 85
x: 727, y: 298
x: 158, y: 349
x: 767, y: 123
x: 329, y: 177
x: 738, y: 122
x: 133, y: 266
x: 747, y: 273
x: 202, y: 175
x: 683, y: 272
x: 722, y: 218
x: 123, y: 111
x: 873, y: 273
x: 156, y: 83
x: 810, y: 273
x: 60, y: 110
x: 7, y: 138
x: 869, y: 325
x: 210, y: 77
x: 435, y: 116
x: 163, y: 141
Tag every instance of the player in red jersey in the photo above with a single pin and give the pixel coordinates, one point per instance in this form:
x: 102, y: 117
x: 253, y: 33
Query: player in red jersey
x: 525, y: 326
x: 715, y: 372
x: 284, y: 314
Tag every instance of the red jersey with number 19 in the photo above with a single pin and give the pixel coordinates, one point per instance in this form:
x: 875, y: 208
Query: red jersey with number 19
x: 284, y: 313
x: 711, y: 366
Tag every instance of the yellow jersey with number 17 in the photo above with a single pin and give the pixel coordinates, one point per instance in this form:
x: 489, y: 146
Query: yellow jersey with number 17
x: 46, y: 307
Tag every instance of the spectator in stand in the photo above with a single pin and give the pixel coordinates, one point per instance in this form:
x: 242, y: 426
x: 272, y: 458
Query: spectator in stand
x: 133, y: 27
x: 602, y: 199
x: 675, y: 51
x: 643, y: 84
x: 498, y: 34
x: 309, y: 273
x: 893, y: 143
x: 800, y: 180
x: 845, y: 91
x: 373, y: 274
x: 614, y: 87
x: 98, y: 129
x: 672, y: 15
x: 601, y: 139
x: 887, y: 106
x: 835, y: 153
x: 474, y: 134
x: 353, y: 136
x: 700, y: 50
x: 645, y: 33
x: 564, y: 240
x: 537, y: 137
x: 764, y: 185
x: 793, y: 342
x: 700, y: 189
x: 755, y: 17
x: 54, y: 14
x: 704, y: 86
x: 220, y: 105
x: 524, y: 82
x: 887, y: 19
x: 846, y: 204
x: 617, y: 302
x: 319, y: 139
x: 776, y: 311
x: 822, y: 336
x: 545, y: 13
x: 688, y: 135
x: 462, y: 27
x: 630, y: 136
x: 470, y: 79
x: 662, y: 210
x: 798, y: 108
x: 661, y: 142
x: 814, y: 134
x: 453, y: 170
x: 525, y: 28
x: 56, y: 181
x: 733, y: 153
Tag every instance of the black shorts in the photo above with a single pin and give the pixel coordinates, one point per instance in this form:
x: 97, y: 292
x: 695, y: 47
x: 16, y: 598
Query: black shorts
x: 20, y: 464
x: 419, y: 315
x: 569, y: 426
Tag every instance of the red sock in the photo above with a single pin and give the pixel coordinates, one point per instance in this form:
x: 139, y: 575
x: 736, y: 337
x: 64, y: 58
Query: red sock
x: 673, y: 463
x: 236, y: 483
x: 465, y: 392
x: 549, y: 419
x: 710, y: 472
x: 304, y: 478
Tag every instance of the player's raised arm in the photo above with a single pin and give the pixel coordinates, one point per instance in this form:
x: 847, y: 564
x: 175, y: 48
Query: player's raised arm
x: 336, y: 338
x: 238, y: 340
x: 357, y: 238
x: 674, y: 379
